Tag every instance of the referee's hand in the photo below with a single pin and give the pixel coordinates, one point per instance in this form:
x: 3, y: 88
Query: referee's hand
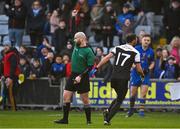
x: 77, y: 80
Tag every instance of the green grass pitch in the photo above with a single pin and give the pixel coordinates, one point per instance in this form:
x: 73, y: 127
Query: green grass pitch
x: 44, y: 119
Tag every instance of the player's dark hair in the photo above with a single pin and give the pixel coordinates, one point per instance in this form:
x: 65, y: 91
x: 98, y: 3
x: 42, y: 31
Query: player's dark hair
x: 130, y: 38
x: 146, y: 35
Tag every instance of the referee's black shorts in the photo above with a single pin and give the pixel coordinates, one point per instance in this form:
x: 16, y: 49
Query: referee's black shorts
x: 81, y: 87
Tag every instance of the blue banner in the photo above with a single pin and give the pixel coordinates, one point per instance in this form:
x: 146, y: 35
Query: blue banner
x: 101, y: 95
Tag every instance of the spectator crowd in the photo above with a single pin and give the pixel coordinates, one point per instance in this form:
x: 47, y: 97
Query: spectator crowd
x: 51, y: 25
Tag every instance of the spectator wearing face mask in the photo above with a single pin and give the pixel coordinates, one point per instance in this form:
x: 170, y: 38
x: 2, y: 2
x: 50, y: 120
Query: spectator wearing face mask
x: 35, y: 23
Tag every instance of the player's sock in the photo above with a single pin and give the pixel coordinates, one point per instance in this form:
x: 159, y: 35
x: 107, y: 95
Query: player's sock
x: 132, y: 102
x: 142, y: 103
x: 114, y: 110
x: 87, y: 109
x: 113, y: 102
x: 131, y: 109
x: 66, y: 108
x: 141, y: 108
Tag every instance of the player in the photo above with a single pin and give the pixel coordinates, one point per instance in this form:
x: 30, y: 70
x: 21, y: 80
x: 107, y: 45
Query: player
x: 147, y: 64
x: 125, y: 56
x: 82, y: 62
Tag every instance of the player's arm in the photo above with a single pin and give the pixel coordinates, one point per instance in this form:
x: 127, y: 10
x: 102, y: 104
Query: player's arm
x: 138, y: 65
x: 102, y: 62
x: 151, y: 66
x: 152, y: 62
x: 105, y: 60
x: 139, y: 69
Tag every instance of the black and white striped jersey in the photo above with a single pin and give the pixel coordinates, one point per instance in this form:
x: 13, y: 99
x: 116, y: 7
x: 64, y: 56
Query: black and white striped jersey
x: 125, y: 56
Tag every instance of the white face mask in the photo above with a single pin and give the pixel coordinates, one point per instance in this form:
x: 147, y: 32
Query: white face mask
x: 99, y: 53
x: 175, y: 5
x: 108, y: 8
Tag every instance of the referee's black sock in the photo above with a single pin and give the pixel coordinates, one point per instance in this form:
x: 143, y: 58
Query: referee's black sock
x: 87, y: 110
x: 66, y: 108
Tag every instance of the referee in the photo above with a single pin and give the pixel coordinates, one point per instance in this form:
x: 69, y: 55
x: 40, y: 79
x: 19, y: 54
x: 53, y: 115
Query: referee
x: 125, y: 56
x: 82, y: 62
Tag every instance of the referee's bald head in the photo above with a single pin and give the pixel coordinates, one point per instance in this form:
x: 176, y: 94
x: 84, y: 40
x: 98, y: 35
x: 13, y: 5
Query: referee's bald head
x: 80, y: 35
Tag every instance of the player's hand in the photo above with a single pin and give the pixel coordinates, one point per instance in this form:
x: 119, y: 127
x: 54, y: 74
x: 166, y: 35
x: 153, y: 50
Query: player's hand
x: 142, y: 79
x: 8, y: 82
x: 77, y: 80
x: 146, y: 72
x: 92, y: 72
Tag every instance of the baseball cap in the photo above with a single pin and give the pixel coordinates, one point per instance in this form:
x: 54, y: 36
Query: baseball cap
x: 126, y: 5
x: 7, y: 43
x: 108, y: 3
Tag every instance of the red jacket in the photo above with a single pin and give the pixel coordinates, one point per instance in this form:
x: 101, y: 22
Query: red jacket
x: 7, y: 65
x: 68, y: 69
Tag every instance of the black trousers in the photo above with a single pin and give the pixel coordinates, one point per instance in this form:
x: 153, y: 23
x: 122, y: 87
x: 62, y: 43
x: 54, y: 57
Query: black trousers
x: 121, y: 87
x: 106, y: 37
x: 36, y: 37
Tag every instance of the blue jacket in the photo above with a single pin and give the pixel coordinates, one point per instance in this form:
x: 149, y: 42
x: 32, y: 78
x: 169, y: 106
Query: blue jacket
x: 121, y: 19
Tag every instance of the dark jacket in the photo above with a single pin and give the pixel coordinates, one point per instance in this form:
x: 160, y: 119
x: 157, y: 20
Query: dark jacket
x: 172, y: 19
x: 108, y: 19
x: 46, y: 67
x: 35, y: 23
x: 25, y: 69
x: 60, y: 39
x: 17, y: 16
x: 151, y: 5
x: 36, y: 70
